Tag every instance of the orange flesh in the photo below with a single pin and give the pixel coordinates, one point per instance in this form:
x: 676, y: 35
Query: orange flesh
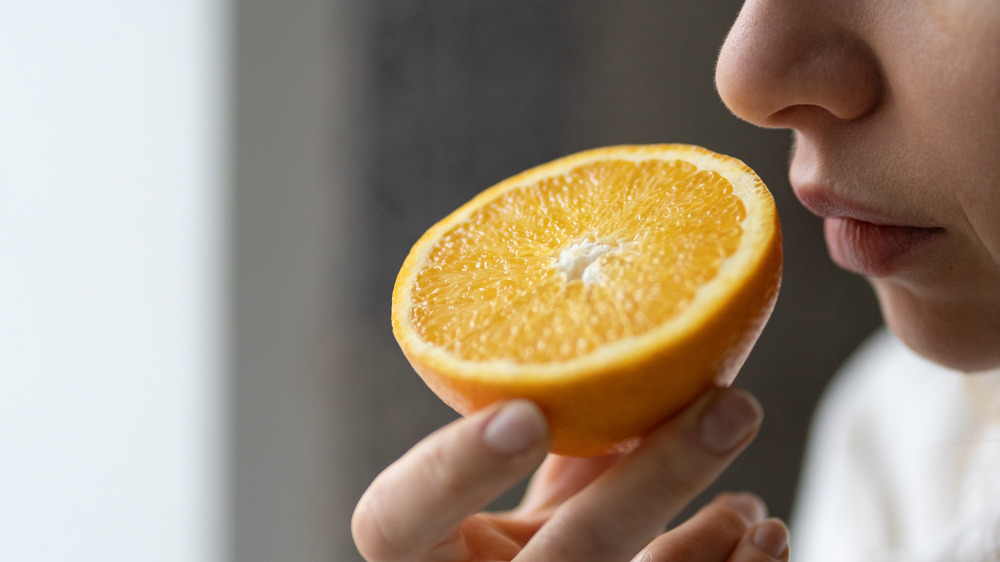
x: 554, y: 270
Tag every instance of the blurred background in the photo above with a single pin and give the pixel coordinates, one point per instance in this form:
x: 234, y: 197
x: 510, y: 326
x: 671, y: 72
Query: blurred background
x: 203, y: 206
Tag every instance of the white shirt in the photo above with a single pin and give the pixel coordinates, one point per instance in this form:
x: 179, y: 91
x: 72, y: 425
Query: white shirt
x: 903, y: 464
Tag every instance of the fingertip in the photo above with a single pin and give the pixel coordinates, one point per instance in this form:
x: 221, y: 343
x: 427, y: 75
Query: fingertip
x: 516, y: 427
x: 749, y: 506
x: 730, y: 420
x: 771, y: 537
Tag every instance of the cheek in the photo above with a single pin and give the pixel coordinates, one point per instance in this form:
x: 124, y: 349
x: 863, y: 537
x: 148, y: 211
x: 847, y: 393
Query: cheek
x: 983, y: 212
x: 971, y: 173
x: 951, y: 131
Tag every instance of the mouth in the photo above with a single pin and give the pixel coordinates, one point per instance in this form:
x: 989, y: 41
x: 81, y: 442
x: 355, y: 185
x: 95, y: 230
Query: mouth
x: 865, y: 240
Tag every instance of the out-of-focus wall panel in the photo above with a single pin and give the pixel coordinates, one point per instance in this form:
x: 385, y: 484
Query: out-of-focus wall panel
x: 297, y: 138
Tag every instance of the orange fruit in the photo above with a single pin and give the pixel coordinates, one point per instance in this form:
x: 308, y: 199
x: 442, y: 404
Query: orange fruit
x: 610, y: 287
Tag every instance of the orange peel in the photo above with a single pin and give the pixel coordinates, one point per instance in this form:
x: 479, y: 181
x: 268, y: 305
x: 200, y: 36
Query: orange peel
x: 610, y: 287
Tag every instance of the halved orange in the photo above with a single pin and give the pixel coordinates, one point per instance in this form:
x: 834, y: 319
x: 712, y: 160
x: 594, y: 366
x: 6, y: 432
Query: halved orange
x: 610, y: 287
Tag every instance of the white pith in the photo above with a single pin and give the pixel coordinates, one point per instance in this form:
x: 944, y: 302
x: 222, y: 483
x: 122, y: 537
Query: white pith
x: 581, y: 260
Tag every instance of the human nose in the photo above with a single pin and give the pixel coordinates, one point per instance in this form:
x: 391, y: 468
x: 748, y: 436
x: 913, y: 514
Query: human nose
x: 785, y: 62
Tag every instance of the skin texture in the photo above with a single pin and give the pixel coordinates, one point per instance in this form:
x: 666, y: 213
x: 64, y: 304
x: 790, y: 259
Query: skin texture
x: 894, y: 109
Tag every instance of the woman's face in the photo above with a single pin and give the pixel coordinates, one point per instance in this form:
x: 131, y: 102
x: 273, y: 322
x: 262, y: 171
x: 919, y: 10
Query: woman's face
x: 895, y: 108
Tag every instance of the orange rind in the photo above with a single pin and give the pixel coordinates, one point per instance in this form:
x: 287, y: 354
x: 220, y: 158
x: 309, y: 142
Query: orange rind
x: 610, y: 287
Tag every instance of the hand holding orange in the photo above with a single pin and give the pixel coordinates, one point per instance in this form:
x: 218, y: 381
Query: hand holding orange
x: 610, y: 287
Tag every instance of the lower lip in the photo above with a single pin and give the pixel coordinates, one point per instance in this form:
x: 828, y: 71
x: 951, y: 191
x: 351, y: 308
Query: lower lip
x: 872, y: 249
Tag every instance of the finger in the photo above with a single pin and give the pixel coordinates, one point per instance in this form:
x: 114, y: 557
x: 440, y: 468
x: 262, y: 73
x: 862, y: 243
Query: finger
x: 560, y: 478
x: 627, y: 505
x: 421, y: 500
x: 766, y: 541
x: 711, y: 535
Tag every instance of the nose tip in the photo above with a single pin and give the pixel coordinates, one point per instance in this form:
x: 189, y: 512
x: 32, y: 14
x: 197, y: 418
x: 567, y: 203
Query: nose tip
x: 780, y: 57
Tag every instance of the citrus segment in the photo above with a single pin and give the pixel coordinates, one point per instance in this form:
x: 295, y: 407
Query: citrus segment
x: 610, y: 287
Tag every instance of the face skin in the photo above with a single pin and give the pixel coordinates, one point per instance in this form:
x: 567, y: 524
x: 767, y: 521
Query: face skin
x: 895, y: 108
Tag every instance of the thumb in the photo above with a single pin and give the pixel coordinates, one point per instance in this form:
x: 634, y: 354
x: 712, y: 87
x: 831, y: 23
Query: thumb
x: 453, y: 473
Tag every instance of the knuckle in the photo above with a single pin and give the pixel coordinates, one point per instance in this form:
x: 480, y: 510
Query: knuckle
x: 368, y: 531
x: 443, y: 474
x: 684, y: 548
x: 583, y: 534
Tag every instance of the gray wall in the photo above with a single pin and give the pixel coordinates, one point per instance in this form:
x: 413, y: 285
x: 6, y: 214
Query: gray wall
x: 295, y: 163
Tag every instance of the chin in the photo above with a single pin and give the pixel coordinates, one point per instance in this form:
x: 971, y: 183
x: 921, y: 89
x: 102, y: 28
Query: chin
x: 960, y: 334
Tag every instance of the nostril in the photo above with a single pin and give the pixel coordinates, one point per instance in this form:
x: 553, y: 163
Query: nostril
x: 841, y: 79
x: 798, y: 116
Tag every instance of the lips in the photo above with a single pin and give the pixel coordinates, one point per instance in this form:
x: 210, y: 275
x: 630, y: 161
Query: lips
x: 864, y: 240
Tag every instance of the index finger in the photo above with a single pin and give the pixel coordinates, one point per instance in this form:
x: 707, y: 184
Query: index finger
x: 627, y: 506
x: 421, y: 500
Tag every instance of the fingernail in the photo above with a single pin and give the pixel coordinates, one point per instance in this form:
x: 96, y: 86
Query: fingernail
x: 771, y: 537
x: 749, y: 506
x: 729, y: 419
x: 517, y: 427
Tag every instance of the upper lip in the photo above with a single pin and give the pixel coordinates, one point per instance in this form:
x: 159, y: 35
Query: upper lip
x: 828, y: 204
